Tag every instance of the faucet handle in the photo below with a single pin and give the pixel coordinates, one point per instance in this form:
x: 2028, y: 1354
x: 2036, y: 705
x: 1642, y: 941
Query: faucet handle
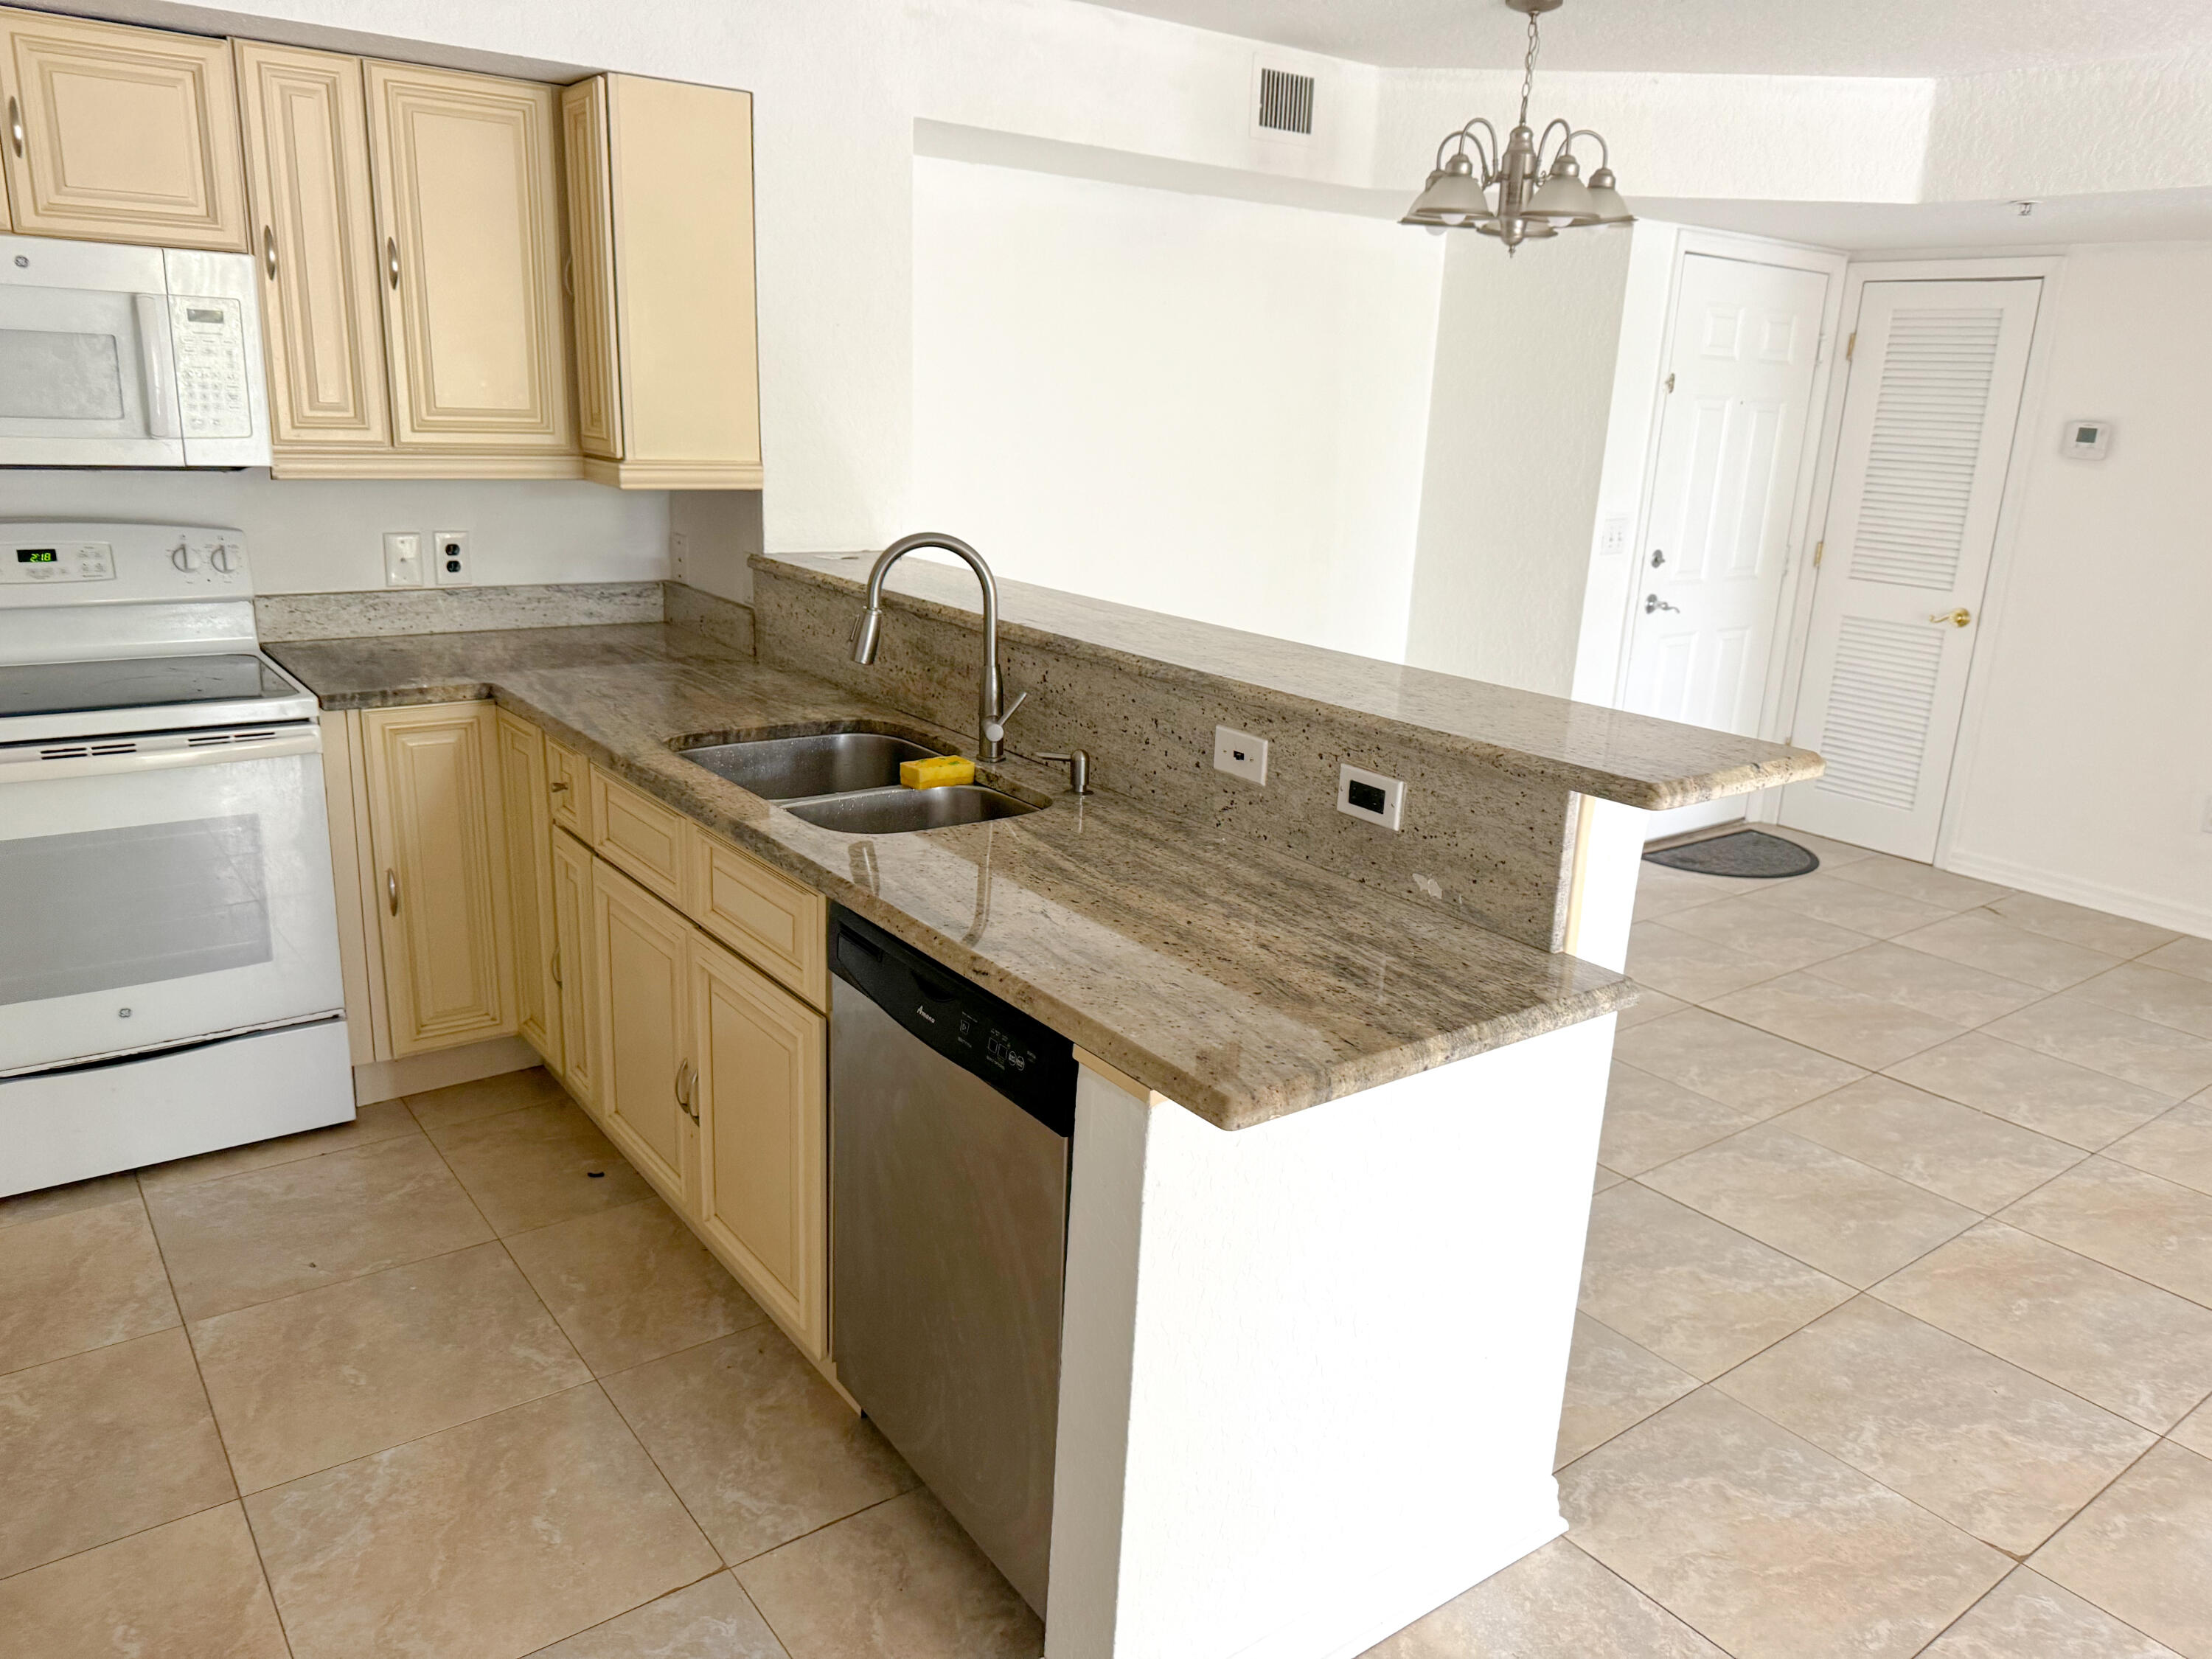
x: 995, y: 731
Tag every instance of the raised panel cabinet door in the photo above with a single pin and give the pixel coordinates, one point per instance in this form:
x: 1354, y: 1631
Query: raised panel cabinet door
x: 469, y: 243
x: 575, y: 976
x: 644, y: 1080
x: 529, y: 828
x: 314, y: 232
x: 591, y: 266
x: 763, y: 1132
x: 441, y: 875
x: 121, y: 135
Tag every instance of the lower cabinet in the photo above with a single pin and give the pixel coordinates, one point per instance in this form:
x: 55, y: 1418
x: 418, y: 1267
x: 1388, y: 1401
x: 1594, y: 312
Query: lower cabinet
x: 527, y: 822
x: 574, y: 968
x: 642, y: 952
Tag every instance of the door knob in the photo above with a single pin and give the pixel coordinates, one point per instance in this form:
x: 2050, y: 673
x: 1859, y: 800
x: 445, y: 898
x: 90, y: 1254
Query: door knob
x: 1652, y: 602
x: 1958, y: 618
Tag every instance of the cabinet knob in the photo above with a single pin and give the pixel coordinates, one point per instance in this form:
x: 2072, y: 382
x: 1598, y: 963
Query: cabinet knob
x: 392, y: 890
x: 558, y: 787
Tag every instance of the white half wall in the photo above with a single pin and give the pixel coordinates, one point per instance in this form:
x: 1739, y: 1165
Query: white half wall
x: 1209, y: 407
x: 2086, y: 772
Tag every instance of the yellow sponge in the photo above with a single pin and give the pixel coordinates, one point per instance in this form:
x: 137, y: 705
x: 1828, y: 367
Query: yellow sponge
x: 937, y: 771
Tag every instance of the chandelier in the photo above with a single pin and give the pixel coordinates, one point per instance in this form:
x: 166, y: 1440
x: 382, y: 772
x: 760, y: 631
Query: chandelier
x: 1509, y: 191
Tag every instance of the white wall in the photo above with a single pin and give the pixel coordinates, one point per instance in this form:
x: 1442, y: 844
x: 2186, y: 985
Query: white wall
x: 2089, y: 770
x: 1209, y: 407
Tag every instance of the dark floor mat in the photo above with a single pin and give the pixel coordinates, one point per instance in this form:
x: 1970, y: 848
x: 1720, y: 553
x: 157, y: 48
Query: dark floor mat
x: 1751, y: 854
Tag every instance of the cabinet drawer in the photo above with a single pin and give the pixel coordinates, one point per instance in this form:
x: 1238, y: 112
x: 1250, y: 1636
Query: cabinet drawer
x: 568, y: 782
x: 639, y: 835
x: 777, y: 924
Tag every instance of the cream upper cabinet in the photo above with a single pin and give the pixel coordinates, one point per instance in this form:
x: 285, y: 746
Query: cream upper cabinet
x: 438, y: 874
x: 641, y: 952
x: 763, y: 1189
x: 121, y: 135
x: 660, y: 223
x: 527, y: 823
x: 469, y: 239
x: 315, y: 233
x: 575, y: 976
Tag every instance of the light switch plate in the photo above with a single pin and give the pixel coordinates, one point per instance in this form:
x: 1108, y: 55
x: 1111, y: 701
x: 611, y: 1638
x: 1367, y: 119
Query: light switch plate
x: 402, y: 558
x: 1240, y: 755
x: 1369, y: 795
x: 449, y: 558
x: 1613, y: 536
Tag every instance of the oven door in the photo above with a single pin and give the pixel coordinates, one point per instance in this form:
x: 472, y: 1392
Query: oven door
x: 159, y: 897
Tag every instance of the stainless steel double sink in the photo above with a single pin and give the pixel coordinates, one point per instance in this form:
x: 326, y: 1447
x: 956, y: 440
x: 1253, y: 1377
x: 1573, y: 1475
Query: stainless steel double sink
x: 848, y: 781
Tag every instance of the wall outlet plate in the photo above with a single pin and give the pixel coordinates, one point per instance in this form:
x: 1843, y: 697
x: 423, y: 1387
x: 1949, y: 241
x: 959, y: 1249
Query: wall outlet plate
x: 679, y: 555
x: 402, y: 558
x: 449, y: 558
x: 1371, y: 796
x: 1240, y: 755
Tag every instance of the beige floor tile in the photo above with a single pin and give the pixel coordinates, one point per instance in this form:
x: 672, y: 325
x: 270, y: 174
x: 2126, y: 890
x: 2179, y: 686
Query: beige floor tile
x: 96, y: 1194
x: 1649, y: 1120
x: 2092, y: 930
x: 1682, y: 888
x: 1843, y: 1217
x: 192, y: 1589
x: 1830, y: 853
x: 1653, y: 902
x: 631, y: 1284
x: 102, y: 1444
x: 78, y: 1280
x: 1732, y: 1062
x: 1921, y: 881
x: 467, y: 1103
x: 1822, y: 1015
x: 539, y: 1164
x: 1606, y: 1178
x: 2153, y: 994
x: 1613, y: 1384
x: 2156, y: 1057
x: 385, y: 1119
x: 1556, y: 1603
x: 1981, y: 940
x: 2186, y: 955
x: 1965, y: 1155
x: 2141, y: 1550
x: 492, y: 1539
x: 713, y: 1619
x: 2195, y: 1430
x: 1692, y: 1291
x: 254, y: 1237
x: 1765, y: 1543
x: 2178, y: 1145
x: 1995, y: 1450
x: 759, y: 1446
x: 1935, y: 985
x: 899, y: 1581
x: 2053, y: 1097
x: 1649, y: 1005
x: 2134, y: 1349
x: 331, y: 1374
x: 2155, y: 1228
x: 1686, y: 966
x: 1825, y: 896
x: 2028, y: 1617
x: 1783, y: 938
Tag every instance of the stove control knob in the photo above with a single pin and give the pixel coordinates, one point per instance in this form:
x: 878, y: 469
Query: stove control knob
x: 185, y: 558
x: 222, y: 558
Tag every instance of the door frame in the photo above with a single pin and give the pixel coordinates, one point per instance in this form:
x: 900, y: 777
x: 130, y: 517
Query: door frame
x: 1774, y: 709
x: 1988, y: 628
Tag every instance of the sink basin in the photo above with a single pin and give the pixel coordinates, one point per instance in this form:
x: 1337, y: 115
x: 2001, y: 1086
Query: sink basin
x: 820, y: 763
x: 888, y: 811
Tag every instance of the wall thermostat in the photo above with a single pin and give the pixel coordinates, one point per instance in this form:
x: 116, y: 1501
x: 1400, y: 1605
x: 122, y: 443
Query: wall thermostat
x: 2088, y: 440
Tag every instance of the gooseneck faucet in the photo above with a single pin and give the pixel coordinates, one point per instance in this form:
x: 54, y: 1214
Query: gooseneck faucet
x: 990, y: 716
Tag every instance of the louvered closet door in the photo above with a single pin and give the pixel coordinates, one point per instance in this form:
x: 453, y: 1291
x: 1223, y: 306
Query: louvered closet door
x: 1920, y: 469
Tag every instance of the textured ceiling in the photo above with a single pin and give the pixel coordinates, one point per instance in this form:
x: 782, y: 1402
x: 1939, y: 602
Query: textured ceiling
x: 1716, y: 37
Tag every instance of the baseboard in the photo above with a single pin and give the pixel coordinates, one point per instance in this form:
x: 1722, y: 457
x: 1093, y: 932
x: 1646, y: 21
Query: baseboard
x: 2160, y: 910
x: 414, y: 1074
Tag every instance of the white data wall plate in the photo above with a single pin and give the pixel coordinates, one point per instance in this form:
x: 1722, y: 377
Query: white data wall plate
x: 1240, y: 755
x: 449, y: 558
x: 1371, y: 796
x: 402, y: 558
x: 2087, y: 439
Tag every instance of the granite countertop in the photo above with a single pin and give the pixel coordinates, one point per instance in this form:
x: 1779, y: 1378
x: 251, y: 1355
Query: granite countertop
x: 1241, y: 982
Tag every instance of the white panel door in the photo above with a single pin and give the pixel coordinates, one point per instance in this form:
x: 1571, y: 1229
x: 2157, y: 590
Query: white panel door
x: 1920, y: 469
x: 1747, y: 339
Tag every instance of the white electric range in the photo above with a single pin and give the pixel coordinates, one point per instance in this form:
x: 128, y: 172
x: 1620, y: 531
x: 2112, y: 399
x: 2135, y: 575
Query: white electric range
x: 169, y: 978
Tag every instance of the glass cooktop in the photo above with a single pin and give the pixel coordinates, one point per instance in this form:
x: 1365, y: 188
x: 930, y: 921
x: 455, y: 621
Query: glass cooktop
x: 83, y: 688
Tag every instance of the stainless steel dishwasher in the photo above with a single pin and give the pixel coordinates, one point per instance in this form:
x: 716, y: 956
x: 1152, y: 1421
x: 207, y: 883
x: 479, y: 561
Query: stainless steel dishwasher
x: 951, y: 1115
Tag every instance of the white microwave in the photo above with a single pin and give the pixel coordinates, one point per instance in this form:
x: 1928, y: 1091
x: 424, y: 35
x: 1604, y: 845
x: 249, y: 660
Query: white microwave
x: 128, y: 356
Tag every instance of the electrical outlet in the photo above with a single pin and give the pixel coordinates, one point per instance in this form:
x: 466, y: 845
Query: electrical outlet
x: 1371, y: 796
x: 450, y: 551
x: 1240, y: 755
x: 679, y: 555
x: 402, y: 558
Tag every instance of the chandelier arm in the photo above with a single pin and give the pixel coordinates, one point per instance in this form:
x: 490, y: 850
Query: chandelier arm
x: 1543, y: 170
x: 1490, y: 155
x: 1604, y: 154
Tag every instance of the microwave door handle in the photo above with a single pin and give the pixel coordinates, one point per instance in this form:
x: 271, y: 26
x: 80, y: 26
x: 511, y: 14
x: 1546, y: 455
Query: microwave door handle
x: 154, y: 356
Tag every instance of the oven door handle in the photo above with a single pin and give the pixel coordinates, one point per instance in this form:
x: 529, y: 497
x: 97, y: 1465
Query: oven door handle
x: 309, y: 742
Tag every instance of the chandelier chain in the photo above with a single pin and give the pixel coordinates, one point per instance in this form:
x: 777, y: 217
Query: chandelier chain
x: 1529, y: 69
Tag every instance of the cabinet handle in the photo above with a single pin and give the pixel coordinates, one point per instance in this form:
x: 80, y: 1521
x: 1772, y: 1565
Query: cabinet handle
x: 268, y: 252
x: 558, y: 787
x: 16, y: 122
x: 683, y: 1090
x: 392, y: 890
x: 555, y: 967
x: 392, y: 259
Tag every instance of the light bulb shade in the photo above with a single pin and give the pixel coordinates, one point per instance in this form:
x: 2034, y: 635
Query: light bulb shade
x: 1611, y: 209
x: 1563, y: 200
x: 1451, y: 198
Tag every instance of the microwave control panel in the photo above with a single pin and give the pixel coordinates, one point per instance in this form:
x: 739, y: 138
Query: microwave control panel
x: 212, y: 394
x: 57, y: 562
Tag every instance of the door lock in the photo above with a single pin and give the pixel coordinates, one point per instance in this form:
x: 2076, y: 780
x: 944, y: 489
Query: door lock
x: 1652, y: 602
x: 1958, y: 618
x: 1658, y: 557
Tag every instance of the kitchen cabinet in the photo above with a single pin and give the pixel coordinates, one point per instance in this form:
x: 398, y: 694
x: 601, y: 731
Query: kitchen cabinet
x: 438, y: 874
x: 641, y: 951
x: 307, y: 169
x: 649, y: 842
x: 659, y: 200
x: 575, y: 975
x: 469, y: 240
x: 118, y: 134
x: 527, y: 819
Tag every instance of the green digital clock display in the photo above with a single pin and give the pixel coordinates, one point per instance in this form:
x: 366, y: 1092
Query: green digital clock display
x: 37, y: 555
